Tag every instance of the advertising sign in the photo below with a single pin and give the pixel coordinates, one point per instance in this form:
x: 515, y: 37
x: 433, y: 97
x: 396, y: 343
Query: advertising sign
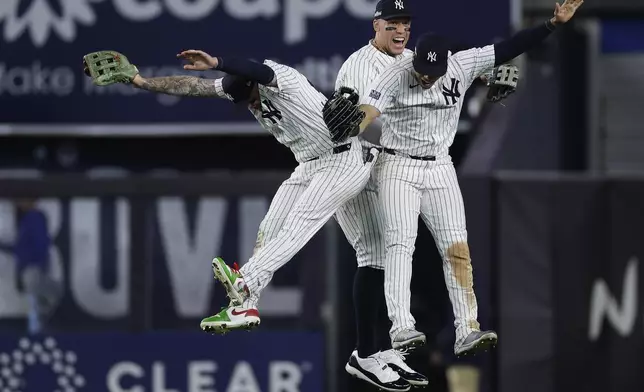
x: 163, y: 362
x: 91, y: 257
x: 43, y: 88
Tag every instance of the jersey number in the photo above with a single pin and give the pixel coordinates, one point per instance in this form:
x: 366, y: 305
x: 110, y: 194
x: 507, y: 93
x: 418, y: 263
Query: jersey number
x: 270, y: 112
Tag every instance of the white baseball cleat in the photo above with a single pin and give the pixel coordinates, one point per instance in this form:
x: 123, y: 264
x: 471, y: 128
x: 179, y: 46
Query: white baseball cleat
x: 376, y: 373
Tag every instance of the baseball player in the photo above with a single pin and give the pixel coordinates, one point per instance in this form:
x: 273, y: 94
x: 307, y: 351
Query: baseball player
x: 419, y: 99
x: 361, y: 219
x: 328, y: 174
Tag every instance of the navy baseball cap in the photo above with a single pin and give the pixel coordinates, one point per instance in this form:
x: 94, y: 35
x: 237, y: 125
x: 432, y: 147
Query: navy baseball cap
x: 237, y: 87
x: 392, y: 9
x: 430, y: 55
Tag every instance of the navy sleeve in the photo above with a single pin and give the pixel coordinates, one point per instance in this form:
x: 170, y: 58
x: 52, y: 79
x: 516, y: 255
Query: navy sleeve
x: 521, y: 42
x: 260, y: 73
x: 236, y: 87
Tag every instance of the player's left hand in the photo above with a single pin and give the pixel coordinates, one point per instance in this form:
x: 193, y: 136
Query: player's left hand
x: 565, y: 11
x: 502, y: 82
x: 199, y: 60
x: 108, y: 67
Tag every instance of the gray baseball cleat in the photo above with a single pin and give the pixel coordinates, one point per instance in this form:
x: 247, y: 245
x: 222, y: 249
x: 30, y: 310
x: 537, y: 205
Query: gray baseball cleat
x: 408, y: 339
x: 475, y: 342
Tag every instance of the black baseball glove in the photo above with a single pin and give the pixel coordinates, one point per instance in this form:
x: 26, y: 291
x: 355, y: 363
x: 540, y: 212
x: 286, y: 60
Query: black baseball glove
x: 502, y: 82
x: 341, y: 114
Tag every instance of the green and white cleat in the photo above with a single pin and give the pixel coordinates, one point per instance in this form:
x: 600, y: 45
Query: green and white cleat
x: 232, y: 280
x: 230, y: 319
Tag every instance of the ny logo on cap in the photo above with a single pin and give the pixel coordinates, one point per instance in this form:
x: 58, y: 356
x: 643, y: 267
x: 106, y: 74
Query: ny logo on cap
x: 399, y: 5
x: 431, y: 56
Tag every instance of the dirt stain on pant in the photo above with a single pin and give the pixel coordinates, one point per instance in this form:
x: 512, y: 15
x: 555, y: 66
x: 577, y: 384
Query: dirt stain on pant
x: 458, y: 255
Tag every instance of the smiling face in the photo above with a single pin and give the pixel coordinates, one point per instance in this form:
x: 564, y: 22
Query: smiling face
x: 392, y: 35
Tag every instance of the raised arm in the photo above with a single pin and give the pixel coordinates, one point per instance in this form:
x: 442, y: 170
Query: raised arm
x: 198, y: 87
x: 526, y: 39
x: 477, y: 61
x: 247, y: 69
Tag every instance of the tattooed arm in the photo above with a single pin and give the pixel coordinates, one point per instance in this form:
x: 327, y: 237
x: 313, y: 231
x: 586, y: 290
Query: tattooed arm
x: 187, y: 86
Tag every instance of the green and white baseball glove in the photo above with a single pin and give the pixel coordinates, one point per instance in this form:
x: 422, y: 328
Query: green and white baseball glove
x: 108, y: 67
x: 502, y: 81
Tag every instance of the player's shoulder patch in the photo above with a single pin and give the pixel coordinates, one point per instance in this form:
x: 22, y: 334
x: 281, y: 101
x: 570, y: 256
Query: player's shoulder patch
x: 374, y: 94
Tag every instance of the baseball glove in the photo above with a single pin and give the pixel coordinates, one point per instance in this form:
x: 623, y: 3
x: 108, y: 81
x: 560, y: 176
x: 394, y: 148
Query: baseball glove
x: 502, y: 82
x: 341, y: 114
x: 108, y: 67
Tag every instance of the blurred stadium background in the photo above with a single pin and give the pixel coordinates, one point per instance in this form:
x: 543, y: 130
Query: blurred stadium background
x: 141, y: 191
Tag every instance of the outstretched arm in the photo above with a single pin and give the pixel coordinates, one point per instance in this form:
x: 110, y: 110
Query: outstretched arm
x: 247, y: 69
x: 197, y: 87
x: 477, y: 61
x: 186, y: 86
x: 526, y: 39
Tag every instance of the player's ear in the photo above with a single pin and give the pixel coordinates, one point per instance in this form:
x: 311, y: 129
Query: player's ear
x: 376, y: 25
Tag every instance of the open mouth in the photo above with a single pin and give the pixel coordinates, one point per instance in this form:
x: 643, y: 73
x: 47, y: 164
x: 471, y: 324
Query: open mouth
x: 399, y: 41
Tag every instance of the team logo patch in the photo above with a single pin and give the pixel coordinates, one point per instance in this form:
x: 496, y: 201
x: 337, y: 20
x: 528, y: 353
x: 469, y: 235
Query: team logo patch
x: 374, y: 94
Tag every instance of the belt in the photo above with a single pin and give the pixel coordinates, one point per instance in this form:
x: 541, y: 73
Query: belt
x: 426, y: 158
x: 336, y: 150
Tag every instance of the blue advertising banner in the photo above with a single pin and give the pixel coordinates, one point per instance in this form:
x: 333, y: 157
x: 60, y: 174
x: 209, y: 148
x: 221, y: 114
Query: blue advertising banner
x: 622, y: 36
x: 163, y: 362
x: 43, y: 88
x: 91, y: 258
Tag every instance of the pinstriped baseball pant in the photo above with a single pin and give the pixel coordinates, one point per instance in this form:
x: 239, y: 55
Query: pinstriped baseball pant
x: 362, y: 223
x: 311, y: 195
x: 409, y: 188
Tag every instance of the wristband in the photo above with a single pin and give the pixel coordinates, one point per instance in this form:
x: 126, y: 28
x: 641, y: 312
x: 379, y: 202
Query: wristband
x: 550, y: 26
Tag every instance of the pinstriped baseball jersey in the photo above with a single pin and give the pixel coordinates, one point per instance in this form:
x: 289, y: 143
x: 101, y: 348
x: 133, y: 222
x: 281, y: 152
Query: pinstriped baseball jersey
x: 292, y: 113
x: 423, y: 122
x: 363, y: 66
x: 419, y: 121
x: 360, y: 218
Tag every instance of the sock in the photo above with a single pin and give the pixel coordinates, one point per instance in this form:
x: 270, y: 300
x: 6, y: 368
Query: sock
x: 382, y: 324
x: 367, y: 286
